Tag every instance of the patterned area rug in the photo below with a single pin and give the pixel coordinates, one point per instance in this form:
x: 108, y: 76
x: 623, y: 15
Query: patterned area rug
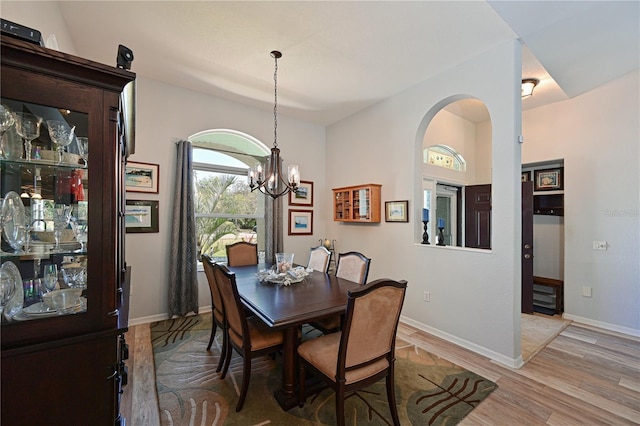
x: 429, y: 390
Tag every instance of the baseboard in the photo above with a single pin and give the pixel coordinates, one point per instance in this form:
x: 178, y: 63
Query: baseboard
x: 481, y: 350
x: 603, y: 325
x: 161, y: 317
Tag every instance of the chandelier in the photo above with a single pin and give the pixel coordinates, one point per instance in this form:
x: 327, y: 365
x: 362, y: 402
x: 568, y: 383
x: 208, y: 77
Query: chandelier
x: 268, y: 177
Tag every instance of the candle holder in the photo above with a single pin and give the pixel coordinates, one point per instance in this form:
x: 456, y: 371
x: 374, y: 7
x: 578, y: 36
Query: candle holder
x: 440, y: 237
x: 425, y: 234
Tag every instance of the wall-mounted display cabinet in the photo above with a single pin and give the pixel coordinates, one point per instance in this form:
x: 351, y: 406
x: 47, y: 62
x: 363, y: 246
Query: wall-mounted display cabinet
x: 357, y: 203
x: 63, y: 276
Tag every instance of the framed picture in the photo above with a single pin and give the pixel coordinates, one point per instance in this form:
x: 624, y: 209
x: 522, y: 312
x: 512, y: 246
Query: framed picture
x: 526, y: 176
x: 141, y: 216
x: 142, y: 177
x: 396, y: 211
x: 548, y: 179
x: 304, y: 196
x: 300, y: 222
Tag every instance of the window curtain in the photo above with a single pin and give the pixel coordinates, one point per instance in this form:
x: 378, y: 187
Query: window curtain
x: 183, y: 272
x: 273, y: 222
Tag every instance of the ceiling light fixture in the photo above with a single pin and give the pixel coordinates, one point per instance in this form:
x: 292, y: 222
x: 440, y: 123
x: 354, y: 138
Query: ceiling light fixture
x: 268, y: 177
x: 528, y: 85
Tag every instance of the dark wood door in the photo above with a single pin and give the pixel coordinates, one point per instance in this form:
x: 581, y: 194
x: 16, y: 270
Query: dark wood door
x: 527, y: 247
x: 477, y: 230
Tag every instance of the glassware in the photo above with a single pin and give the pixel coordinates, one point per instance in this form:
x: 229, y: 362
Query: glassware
x: 7, y: 287
x: 50, y: 279
x: 80, y: 230
x: 7, y: 119
x: 61, y: 217
x: 83, y: 149
x: 28, y: 127
x: 61, y: 134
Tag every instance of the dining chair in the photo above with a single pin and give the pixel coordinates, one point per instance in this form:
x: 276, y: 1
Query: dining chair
x: 217, y: 310
x: 319, y: 259
x: 364, y: 351
x: 247, y: 335
x: 242, y: 253
x: 352, y: 266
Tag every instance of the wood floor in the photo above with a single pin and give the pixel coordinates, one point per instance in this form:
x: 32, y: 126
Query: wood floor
x: 586, y: 376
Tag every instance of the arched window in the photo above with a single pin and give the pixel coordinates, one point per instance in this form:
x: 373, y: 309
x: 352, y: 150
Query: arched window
x: 444, y: 156
x: 226, y: 209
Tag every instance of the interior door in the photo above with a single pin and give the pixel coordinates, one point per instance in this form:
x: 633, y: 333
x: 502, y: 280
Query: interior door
x: 527, y: 247
x: 477, y: 232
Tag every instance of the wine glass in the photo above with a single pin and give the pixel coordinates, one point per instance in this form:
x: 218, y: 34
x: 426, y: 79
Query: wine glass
x: 83, y: 149
x: 28, y: 127
x: 50, y: 279
x: 61, y: 217
x: 7, y: 119
x: 7, y: 287
x: 80, y: 230
x: 61, y: 134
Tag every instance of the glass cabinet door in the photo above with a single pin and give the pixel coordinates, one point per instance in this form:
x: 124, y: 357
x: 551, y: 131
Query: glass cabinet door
x: 45, y: 211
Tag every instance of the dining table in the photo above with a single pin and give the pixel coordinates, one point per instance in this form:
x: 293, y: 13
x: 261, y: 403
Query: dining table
x: 287, y: 308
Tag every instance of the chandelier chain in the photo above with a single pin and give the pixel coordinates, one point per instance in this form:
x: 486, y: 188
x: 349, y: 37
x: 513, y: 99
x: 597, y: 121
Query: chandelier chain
x: 275, y: 104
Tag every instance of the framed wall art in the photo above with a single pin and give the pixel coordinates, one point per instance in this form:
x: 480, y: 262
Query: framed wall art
x: 396, y: 211
x: 304, y: 196
x: 142, y: 177
x: 548, y: 179
x: 300, y: 222
x: 141, y: 216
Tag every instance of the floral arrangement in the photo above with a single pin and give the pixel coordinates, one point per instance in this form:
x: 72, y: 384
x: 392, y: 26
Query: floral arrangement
x: 290, y: 276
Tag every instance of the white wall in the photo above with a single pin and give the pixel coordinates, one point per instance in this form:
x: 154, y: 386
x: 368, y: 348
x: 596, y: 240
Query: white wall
x: 597, y: 134
x: 475, y: 295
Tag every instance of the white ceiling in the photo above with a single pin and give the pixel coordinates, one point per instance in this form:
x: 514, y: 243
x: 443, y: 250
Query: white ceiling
x: 340, y: 57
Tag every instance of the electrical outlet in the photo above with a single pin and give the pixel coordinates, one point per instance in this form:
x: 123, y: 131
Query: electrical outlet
x: 586, y: 291
x: 599, y: 245
x: 427, y: 296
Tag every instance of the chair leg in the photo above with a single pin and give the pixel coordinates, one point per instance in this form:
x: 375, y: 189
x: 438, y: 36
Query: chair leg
x: 225, y: 348
x: 391, y: 397
x: 227, y: 359
x: 301, y: 381
x: 340, y: 405
x: 246, y: 377
x: 213, y: 332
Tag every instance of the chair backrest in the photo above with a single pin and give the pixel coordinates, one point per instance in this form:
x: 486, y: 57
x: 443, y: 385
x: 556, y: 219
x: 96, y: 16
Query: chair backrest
x: 319, y: 258
x: 353, y: 266
x: 216, y: 297
x: 233, y: 308
x: 242, y: 253
x: 371, y: 323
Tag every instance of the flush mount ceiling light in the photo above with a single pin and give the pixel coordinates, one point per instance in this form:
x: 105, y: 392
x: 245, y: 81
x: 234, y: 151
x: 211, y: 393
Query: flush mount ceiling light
x: 528, y: 84
x: 268, y: 177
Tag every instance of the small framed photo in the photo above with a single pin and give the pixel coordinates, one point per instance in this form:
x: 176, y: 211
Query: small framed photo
x: 142, y: 177
x: 300, y: 222
x: 548, y: 179
x: 526, y: 176
x: 141, y: 216
x: 304, y: 196
x: 396, y: 211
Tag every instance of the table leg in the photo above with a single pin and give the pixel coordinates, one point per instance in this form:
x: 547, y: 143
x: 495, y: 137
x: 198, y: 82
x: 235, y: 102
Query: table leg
x: 287, y: 395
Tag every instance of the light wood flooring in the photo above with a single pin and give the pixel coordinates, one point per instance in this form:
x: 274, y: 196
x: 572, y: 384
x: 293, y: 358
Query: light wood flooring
x: 585, y: 376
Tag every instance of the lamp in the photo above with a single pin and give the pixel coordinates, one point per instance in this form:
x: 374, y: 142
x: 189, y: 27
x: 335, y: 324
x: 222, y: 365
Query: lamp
x: 268, y: 177
x: 528, y: 85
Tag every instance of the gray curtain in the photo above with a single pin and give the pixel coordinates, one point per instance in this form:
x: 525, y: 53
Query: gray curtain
x: 183, y: 278
x: 273, y: 212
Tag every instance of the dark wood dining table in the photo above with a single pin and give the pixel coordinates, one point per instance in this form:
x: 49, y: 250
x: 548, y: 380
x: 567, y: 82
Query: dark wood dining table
x: 287, y: 308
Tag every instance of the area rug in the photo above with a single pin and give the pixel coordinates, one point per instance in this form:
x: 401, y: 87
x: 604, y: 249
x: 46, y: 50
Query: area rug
x: 537, y: 331
x: 429, y: 389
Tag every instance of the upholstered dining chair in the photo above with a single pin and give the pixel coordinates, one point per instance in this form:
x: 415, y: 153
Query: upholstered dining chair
x: 248, y: 336
x: 352, y: 266
x: 364, y: 351
x: 242, y: 253
x: 217, y: 310
x: 319, y: 259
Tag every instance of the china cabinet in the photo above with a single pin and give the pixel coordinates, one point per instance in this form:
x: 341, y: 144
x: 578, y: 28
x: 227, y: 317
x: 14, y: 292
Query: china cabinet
x: 357, y: 203
x: 63, y: 275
